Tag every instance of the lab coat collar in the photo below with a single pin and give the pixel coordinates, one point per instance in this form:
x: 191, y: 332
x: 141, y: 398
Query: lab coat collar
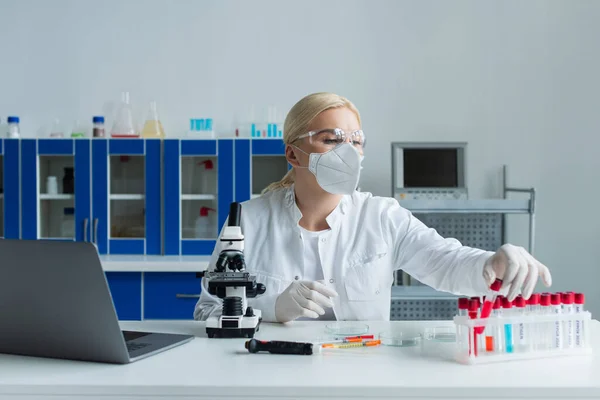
x: 332, y: 219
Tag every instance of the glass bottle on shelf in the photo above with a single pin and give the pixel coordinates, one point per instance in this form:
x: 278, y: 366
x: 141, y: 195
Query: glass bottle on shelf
x: 69, y: 181
x: 13, y: 127
x: 78, y: 130
x: 204, y: 225
x: 153, y: 127
x: 124, y: 126
x: 206, y: 175
x: 55, y: 130
x: 98, y: 129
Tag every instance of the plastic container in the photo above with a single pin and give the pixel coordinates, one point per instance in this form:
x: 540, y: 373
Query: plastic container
x: 153, y: 127
x: 69, y: 181
x: 124, y: 126
x: 398, y: 338
x: 51, y: 185
x: 98, y: 127
x: 204, y: 224
x: 67, y: 227
x: 13, y: 127
x: 532, y: 322
x: 342, y: 328
x: 206, y: 175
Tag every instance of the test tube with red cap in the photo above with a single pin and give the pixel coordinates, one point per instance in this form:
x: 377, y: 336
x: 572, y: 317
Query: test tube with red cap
x: 567, y: 308
x: 488, y: 302
x: 498, y: 331
x: 546, y: 328
x: 508, y: 333
x: 473, y: 338
x: 463, y: 306
x: 579, y: 300
x: 522, y: 341
x: 557, y: 336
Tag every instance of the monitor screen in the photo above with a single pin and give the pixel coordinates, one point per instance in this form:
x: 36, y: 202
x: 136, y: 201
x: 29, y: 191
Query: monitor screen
x: 431, y: 167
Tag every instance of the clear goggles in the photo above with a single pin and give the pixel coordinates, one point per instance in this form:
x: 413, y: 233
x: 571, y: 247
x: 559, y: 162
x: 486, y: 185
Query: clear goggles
x: 335, y: 136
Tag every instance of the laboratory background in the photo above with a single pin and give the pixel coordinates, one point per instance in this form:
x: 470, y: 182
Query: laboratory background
x: 183, y: 103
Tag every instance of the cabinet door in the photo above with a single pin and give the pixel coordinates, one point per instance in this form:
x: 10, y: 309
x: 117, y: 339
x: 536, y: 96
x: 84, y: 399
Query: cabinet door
x: 198, y: 191
x: 268, y: 165
x: 170, y: 295
x: 126, y: 292
x: 55, y: 185
x: 126, y: 194
x: 10, y: 196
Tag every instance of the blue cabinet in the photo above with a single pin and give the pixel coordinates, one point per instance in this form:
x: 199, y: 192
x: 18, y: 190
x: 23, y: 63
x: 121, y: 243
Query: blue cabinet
x: 126, y: 292
x: 198, y: 189
x: 170, y: 295
x: 10, y: 196
x: 126, y: 196
x: 258, y: 163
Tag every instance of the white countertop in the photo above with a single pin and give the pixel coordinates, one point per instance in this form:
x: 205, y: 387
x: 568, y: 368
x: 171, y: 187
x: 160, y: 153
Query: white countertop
x: 124, y: 263
x: 222, y: 368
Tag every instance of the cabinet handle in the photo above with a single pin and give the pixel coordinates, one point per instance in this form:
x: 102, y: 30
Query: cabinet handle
x: 187, y: 296
x: 85, y: 226
x: 95, y: 239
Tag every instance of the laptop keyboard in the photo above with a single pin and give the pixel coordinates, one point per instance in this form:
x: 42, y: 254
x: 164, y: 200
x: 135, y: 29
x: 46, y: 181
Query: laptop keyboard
x: 136, y: 346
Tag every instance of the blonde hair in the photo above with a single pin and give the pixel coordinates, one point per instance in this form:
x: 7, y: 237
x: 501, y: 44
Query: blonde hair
x: 298, y: 120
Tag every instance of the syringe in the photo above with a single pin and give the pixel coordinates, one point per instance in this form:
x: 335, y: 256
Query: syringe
x: 488, y: 302
x: 367, y: 343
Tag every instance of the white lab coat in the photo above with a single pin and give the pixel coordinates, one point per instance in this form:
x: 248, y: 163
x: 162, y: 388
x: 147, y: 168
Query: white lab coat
x: 370, y: 238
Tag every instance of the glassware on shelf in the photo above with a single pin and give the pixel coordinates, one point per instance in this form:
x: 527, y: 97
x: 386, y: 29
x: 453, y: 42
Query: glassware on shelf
x: 98, y: 129
x: 78, y: 130
x: 55, y: 130
x: 124, y: 126
x: 51, y: 185
x: 206, y: 175
x: 204, y: 224
x: 69, y: 181
x: 153, y: 127
x: 13, y: 127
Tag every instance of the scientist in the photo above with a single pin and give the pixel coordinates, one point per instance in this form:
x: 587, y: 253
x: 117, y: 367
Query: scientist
x: 326, y: 251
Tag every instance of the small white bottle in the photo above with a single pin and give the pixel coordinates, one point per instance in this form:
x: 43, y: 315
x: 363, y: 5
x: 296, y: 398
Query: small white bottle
x: 51, y: 185
x: 13, y: 127
x: 204, y: 229
x: 206, y: 177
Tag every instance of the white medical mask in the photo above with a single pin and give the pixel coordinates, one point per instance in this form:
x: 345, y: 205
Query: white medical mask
x: 337, y: 170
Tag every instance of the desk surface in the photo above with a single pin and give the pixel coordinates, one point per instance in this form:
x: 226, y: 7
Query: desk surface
x: 222, y: 368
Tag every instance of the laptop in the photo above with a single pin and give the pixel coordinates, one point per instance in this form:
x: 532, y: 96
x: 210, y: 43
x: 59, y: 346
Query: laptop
x: 55, y: 302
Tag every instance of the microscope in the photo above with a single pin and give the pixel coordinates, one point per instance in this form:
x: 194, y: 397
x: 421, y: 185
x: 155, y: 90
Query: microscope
x: 231, y: 282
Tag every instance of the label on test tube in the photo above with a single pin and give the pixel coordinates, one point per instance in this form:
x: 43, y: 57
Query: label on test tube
x: 567, y: 300
x: 520, y: 328
x: 556, y: 309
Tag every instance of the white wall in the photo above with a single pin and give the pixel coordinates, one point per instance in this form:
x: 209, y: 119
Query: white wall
x: 516, y: 79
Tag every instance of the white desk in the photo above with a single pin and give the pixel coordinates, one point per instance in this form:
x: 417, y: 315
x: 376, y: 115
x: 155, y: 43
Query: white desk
x: 223, y: 369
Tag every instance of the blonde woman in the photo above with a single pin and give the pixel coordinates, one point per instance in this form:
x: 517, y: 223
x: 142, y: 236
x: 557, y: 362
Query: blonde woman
x: 324, y: 250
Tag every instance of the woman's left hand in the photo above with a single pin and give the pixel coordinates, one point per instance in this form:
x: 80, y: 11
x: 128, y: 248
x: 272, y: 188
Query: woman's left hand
x: 517, y: 269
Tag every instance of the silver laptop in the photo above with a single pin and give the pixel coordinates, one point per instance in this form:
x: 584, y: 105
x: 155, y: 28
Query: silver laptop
x: 55, y: 302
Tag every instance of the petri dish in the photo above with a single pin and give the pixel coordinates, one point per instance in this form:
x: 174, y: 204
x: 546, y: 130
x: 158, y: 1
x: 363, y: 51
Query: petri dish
x: 346, y: 328
x: 442, y: 334
x: 400, y: 339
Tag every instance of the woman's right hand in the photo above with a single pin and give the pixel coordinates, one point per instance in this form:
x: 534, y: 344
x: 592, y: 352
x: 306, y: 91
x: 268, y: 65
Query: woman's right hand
x: 303, y: 299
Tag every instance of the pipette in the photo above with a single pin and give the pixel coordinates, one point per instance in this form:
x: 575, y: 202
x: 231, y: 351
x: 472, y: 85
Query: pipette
x: 368, y: 343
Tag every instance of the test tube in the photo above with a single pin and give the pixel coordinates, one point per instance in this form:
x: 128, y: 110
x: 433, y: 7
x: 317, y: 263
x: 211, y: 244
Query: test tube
x: 522, y: 340
x: 567, y: 308
x: 488, y: 302
x: 546, y: 328
x: 557, y: 337
x: 579, y: 299
x: 473, y: 345
x: 498, y: 333
x: 508, y: 333
x: 463, y: 307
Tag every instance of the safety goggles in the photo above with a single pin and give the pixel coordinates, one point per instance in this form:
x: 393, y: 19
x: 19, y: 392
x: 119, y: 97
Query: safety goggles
x: 335, y: 136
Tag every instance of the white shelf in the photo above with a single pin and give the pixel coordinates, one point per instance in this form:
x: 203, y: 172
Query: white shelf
x: 467, y: 206
x: 127, y: 197
x: 124, y: 263
x: 198, y: 197
x: 59, y: 196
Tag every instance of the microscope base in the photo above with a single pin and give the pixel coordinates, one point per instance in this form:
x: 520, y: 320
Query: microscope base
x: 233, y: 327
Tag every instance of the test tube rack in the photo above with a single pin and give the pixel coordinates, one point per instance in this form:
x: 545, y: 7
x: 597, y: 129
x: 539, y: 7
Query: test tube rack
x: 522, y: 337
